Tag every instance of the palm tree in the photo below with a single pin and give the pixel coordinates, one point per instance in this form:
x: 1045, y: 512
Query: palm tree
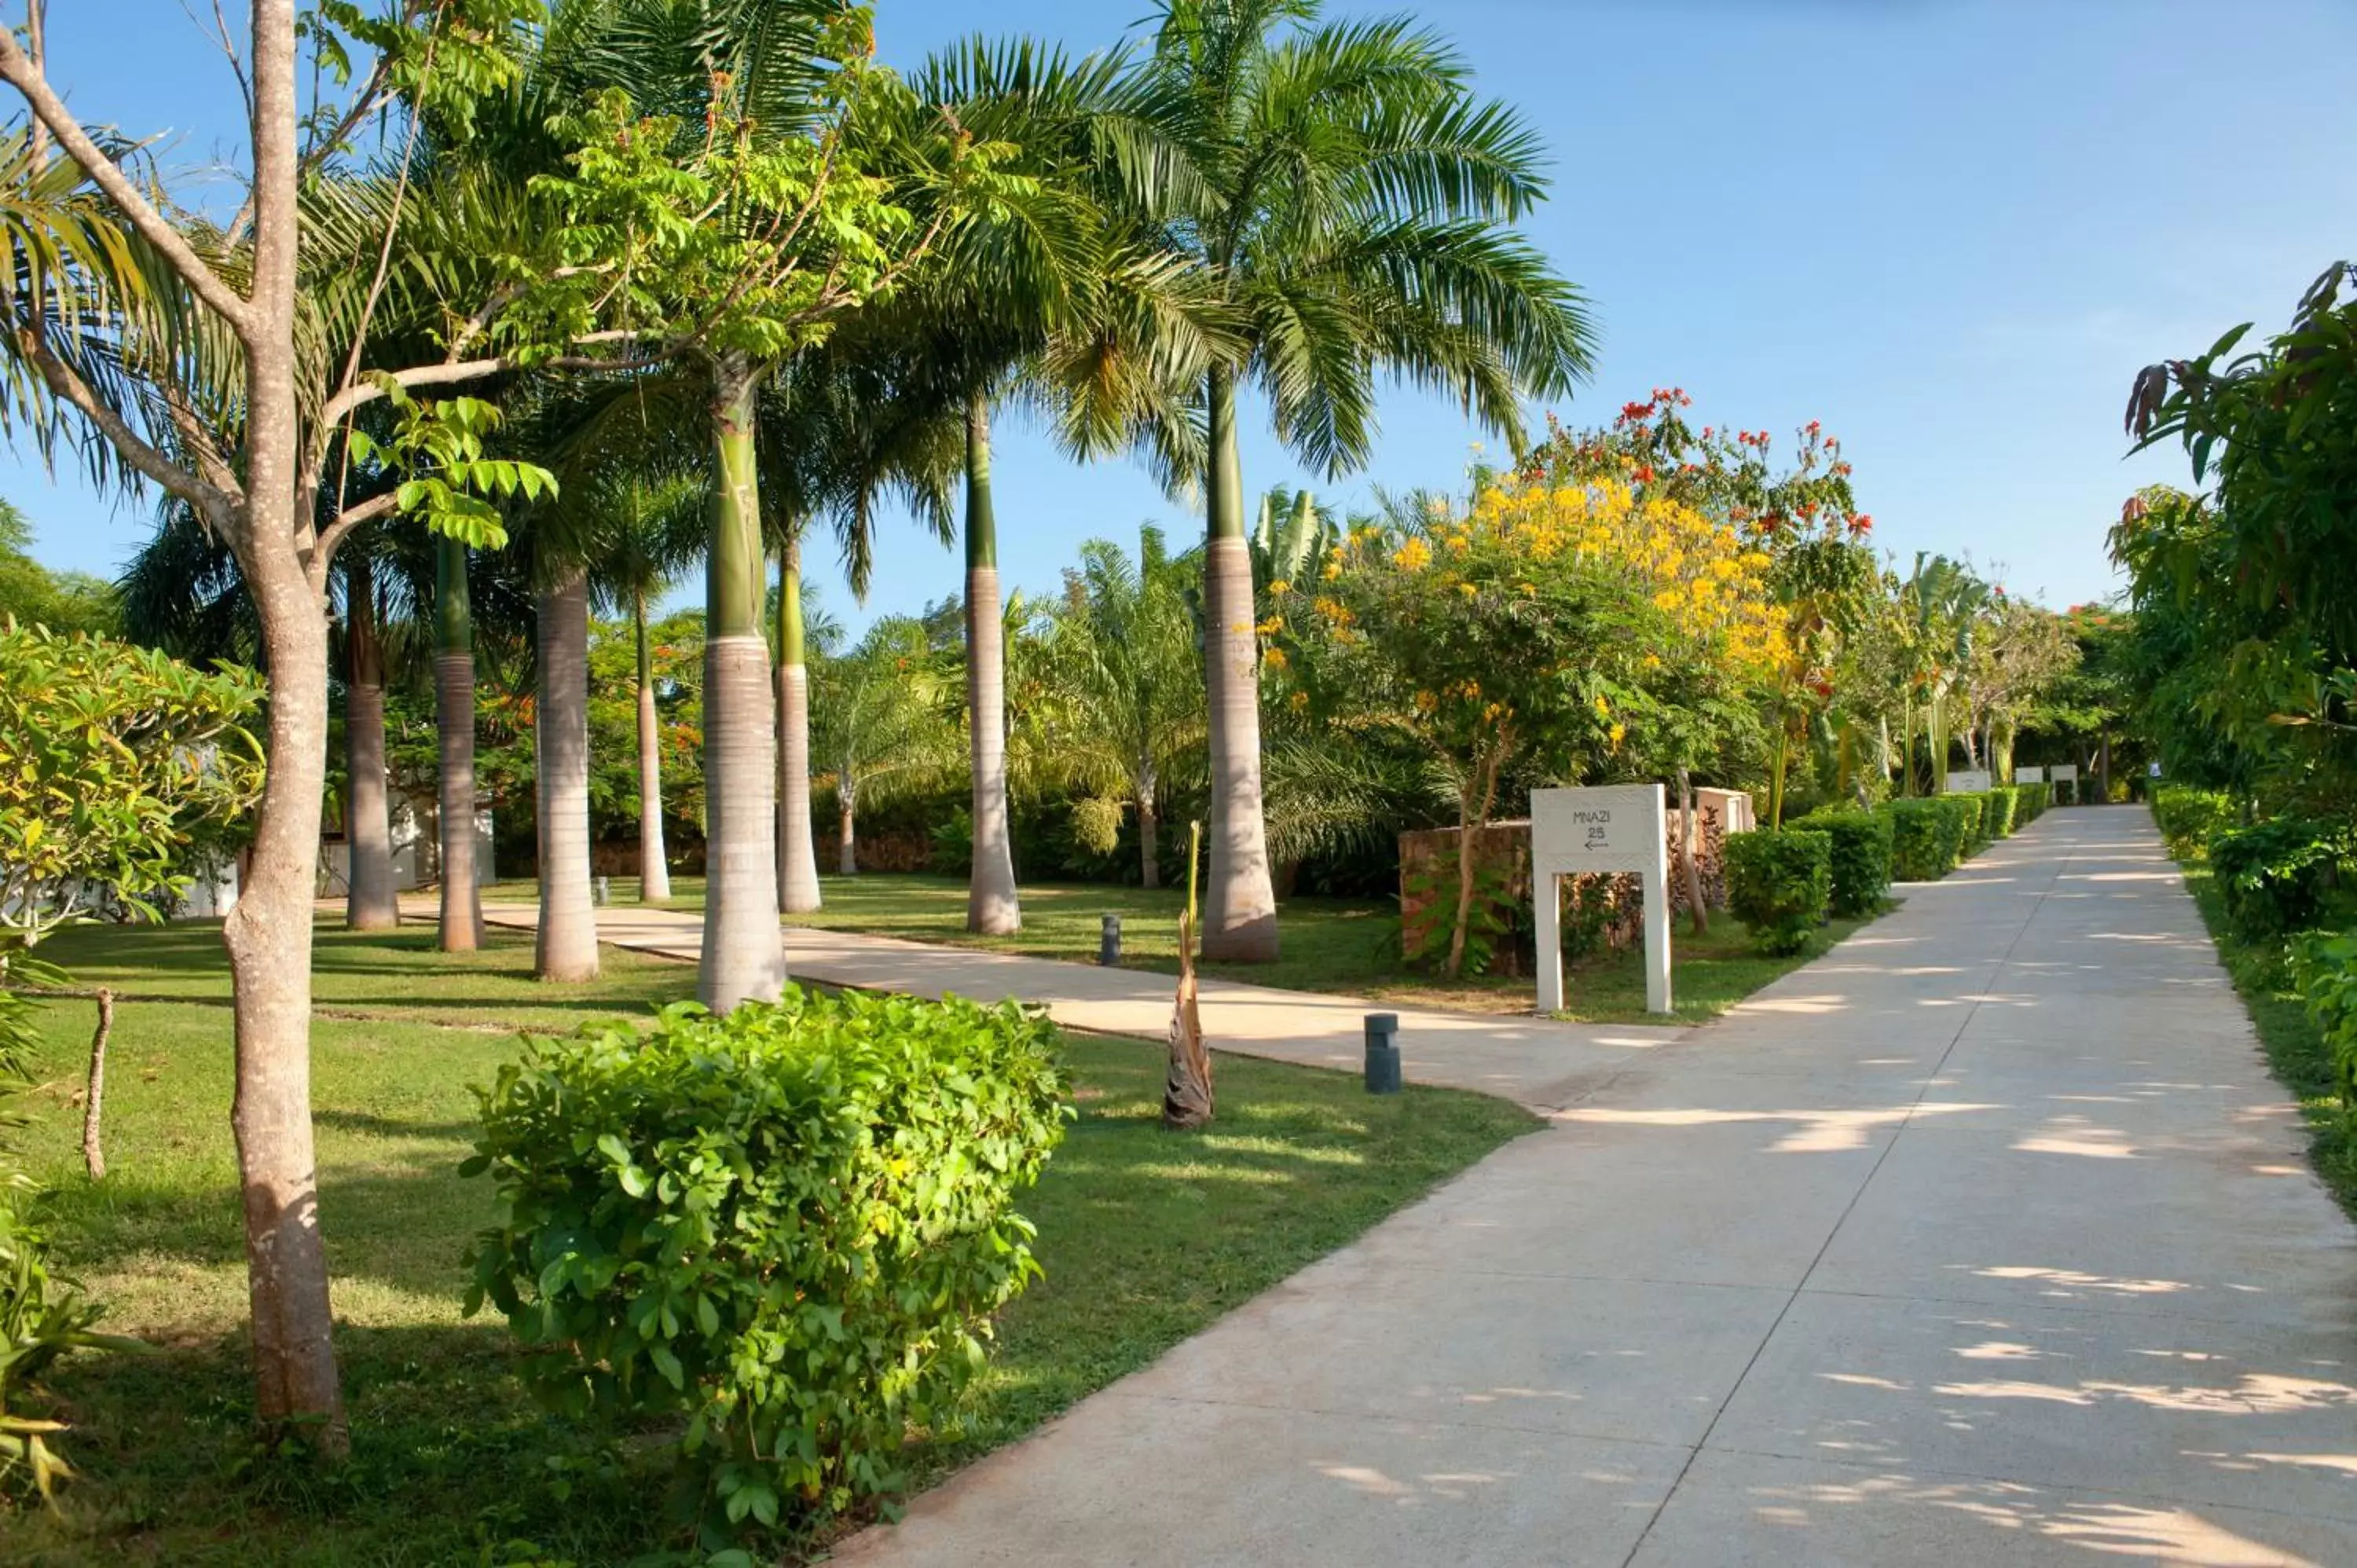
x: 839, y: 427
x: 884, y: 721
x: 454, y: 692
x: 1060, y: 299
x: 1353, y: 215
x: 1123, y: 662
x: 650, y: 528
x: 1943, y: 599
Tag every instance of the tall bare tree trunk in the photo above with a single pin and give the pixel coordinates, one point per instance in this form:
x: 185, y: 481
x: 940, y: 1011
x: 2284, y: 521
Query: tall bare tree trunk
x: 94, y: 1099
x: 847, y: 831
x: 992, y: 904
x: 1691, y: 835
x: 797, y: 889
x: 655, y: 869
x: 454, y: 714
x: 1149, y: 834
x: 744, y: 953
x: 1239, y: 917
x: 373, y: 901
x: 565, y: 947
x: 268, y: 933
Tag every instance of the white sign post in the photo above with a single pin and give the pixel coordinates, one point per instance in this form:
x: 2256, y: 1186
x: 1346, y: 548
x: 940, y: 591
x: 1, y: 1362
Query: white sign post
x: 2029, y: 775
x: 1968, y: 781
x: 1577, y: 832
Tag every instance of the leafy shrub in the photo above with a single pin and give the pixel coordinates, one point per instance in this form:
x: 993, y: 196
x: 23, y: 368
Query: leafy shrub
x: 2275, y: 875
x: 1997, y: 815
x: 2030, y: 802
x: 785, y: 1229
x: 41, y: 1317
x: 1780, y: 884
x: 950, y: 845
x: 1861, y: 845
x: 1960, y: 828
x: 2324, y: 967
x: 2189, y: 818
x: 1920, y: 849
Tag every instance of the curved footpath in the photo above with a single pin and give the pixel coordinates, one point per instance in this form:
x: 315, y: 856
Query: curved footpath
x: 1985, y: 1236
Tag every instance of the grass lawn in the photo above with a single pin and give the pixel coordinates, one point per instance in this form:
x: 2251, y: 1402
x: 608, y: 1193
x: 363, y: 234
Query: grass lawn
x: 2294, y: 1045
x: 1145, y: 1236
x: 1347, y: 947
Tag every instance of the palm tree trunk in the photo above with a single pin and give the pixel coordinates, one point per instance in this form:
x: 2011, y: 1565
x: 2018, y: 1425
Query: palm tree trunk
x: 993, y: 905
x: 374, y: 902
x: 654, y: 868
x: 744, y: 957
x: 567, y: 945
x: 453, y: 689
x: 1240, y: 918
x: 798, y: 890
x: 1690, y: 831
x: 847, y: 832
x: 1149, y: 834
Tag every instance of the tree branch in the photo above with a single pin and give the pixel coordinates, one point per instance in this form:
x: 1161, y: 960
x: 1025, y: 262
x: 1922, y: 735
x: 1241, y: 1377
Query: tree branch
x: 322, y: 552
x: 212, y: 503
x: 18, y: 72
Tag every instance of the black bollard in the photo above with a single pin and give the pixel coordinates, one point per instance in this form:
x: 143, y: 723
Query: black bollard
x: 1382, y: 1053
x: 1109, y: 942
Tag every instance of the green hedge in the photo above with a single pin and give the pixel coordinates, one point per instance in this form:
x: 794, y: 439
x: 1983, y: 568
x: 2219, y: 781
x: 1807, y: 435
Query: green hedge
x: 2324, y: 967
x: 1861, y: 844
x: 2275, y: 876
x: 2189, y: 818
x: 776, y: 1238
x: 1917, y: 841
x: 2001, y: 805
x: 1960, y: 831
x: 1780, y: 884
x: 2030, y: 803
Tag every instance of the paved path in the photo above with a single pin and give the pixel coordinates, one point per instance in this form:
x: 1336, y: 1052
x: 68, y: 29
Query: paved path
x: 1542, y: 1064
x: 1984, y: 1239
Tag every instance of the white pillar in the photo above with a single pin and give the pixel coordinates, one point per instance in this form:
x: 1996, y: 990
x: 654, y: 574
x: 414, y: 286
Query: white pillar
x: 1546, y: 901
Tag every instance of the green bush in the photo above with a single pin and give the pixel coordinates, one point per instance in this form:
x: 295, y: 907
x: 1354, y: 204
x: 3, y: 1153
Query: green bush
x: 2030, y: 803
x: 2275, y: 875
x: 1780, y: 884
x: 1918, y: 848
x: 1960, y: 828
x: 2189, y: 818
x: 781, y: 1233
x: 1861, y: 845
x: 2000, y: 811
x: 2324, y: 967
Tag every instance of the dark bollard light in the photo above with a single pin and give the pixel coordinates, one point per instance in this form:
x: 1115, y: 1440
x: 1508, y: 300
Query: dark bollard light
x: 1382, y: 1053
x: 1109, y: 942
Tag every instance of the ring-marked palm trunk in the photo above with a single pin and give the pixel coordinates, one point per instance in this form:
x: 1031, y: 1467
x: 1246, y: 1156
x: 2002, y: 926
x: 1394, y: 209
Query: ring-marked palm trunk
x: 1240, y: 914
x: 373, y: 903
x: 744, y: 955
x: 993, y: 905
x: 454, y: 691
x: 654, y: 868
x: 798, y: 891
x: 567, y: 946
x: 1149, y: 834
x: 847, y: 821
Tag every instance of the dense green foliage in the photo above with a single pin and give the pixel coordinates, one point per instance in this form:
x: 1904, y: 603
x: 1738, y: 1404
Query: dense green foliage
x: 1861, y: 852
x: 62, y: 601
x: 788, y: 1228
x: 2324, y: 964
x: 1780, y: 883
x: 1918, y: 848
x: 2275, y: 875
x: 2189, y: 817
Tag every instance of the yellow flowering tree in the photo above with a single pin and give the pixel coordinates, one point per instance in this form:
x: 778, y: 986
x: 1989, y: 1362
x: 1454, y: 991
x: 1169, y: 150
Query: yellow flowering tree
x: 1498, y: 639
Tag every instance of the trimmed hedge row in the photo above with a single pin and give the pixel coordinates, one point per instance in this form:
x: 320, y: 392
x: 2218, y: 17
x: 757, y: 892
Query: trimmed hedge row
x: 1771, y: 881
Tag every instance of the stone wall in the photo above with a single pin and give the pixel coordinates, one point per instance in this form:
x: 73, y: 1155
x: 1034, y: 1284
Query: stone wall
x: 1600, y: 911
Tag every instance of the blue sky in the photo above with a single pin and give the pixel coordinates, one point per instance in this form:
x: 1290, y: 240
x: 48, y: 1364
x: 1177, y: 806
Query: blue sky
x: 1952, y: 232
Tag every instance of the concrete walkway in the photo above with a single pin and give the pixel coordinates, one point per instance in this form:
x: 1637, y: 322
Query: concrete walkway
x: 1540, y: 1063
x: 1984, y: 1239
